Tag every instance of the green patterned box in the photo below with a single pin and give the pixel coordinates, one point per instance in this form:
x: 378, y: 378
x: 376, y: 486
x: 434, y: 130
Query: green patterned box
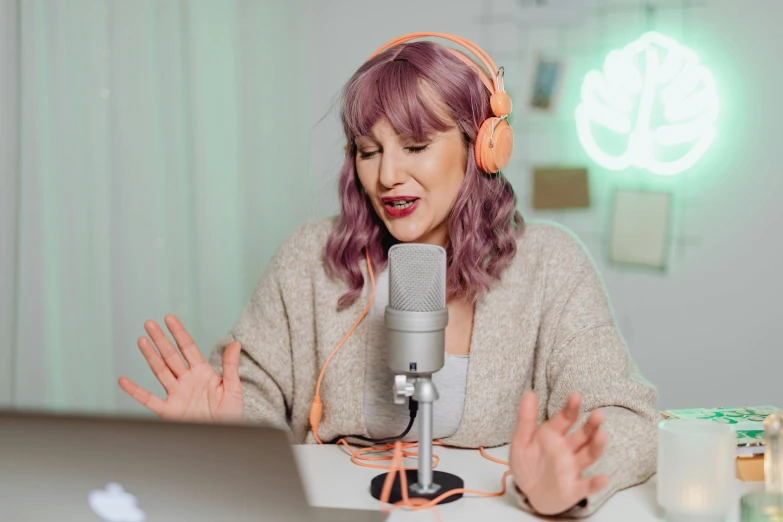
x: 748, y: 423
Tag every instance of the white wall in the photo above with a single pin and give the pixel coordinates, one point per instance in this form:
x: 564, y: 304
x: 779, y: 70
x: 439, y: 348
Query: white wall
x: 707, y: 333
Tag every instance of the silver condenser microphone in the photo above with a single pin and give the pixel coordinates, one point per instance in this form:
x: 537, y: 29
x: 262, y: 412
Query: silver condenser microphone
x: 416, y: 316
x: 416, y: 319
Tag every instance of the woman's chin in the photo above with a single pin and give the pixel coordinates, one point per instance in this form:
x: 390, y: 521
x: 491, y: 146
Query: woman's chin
x: 403, y: 233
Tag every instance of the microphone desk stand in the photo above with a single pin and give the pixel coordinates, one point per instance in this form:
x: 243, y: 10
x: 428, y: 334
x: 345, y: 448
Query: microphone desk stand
x: 425, y: 482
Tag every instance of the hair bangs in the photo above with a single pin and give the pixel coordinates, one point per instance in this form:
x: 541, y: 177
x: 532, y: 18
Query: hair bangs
x: 396, y: 91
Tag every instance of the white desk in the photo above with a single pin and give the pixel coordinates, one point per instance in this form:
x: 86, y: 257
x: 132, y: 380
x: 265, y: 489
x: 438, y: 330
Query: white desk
x: 332, y: 480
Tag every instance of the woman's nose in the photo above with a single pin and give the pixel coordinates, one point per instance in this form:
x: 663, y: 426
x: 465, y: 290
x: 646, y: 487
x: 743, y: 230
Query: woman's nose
x: 392, y: 172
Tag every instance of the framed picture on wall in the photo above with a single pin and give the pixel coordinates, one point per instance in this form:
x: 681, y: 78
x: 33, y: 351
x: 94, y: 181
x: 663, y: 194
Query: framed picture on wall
x: 547, y: 80
x: 640, y: 230
x: 560, y: 188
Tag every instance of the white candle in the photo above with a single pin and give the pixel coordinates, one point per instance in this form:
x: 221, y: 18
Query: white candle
x: 696, y: 460
x: 695, y: 498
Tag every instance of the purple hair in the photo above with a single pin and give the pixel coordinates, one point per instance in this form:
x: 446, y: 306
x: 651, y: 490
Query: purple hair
x: 484, y: 221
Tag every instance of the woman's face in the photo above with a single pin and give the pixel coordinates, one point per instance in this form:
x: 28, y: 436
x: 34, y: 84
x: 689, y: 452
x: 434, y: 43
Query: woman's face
x: 412, y: 185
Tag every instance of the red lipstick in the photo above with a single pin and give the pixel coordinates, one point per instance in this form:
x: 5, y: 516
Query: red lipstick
x: 392, y: 205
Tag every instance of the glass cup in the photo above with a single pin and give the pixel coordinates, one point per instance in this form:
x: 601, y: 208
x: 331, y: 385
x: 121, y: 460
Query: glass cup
x: 761, y: 506
x: 696, y: 461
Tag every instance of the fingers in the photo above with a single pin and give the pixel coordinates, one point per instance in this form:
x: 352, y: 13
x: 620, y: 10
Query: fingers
x: 591, y: 451
x: 142, y: 396
x: 158, y: 367
x: 565, y: 418
x: 185, y: 342
x: 169, y: 353
x: 596, y: 484
x: 589, y: 486
x: 580, y: 437
x: 231, y: 381
x: 592, y: 485
x: 527, y: 418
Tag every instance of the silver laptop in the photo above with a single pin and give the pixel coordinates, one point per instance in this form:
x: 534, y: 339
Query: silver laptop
x: 70, y: 468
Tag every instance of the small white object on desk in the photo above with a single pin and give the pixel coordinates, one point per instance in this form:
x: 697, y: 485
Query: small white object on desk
x: 696, y: 460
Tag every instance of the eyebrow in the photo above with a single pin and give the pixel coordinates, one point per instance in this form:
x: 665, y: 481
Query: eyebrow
x: 371, y: 136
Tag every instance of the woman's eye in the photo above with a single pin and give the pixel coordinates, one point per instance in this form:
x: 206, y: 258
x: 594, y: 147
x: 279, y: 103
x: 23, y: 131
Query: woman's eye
x: 417, y: 148
x: 367, y: 154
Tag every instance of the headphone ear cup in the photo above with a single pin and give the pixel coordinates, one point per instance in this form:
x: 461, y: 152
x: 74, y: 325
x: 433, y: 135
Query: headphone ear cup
x: 503, y: 141
x: 490, y: 158
x: 481, y: 145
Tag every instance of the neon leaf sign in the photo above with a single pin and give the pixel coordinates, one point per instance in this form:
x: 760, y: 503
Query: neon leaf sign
x: 653, y: 107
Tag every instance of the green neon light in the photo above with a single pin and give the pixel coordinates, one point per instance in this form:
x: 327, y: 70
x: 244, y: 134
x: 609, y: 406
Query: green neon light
x: 653, y: 107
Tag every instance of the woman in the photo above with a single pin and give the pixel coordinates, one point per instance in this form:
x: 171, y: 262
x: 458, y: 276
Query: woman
x: 534, y: 358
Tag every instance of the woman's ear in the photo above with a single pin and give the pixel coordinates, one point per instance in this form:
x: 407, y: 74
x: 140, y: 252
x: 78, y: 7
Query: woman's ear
x: 468, y: 144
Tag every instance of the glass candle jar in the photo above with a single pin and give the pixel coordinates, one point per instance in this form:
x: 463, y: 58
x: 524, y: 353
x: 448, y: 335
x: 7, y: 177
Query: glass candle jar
x: 696, y: 460
x: 761, y: 506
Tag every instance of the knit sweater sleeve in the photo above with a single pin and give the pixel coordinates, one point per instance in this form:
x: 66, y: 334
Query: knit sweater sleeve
x: 265, y: 363
x: 264, y: 330
x: 588, y: 355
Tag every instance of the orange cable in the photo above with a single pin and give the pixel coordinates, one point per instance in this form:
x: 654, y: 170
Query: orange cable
x: 358, y: 455
x: 490, y: 457
x: 317, y: 408
x: 397, y: 466
x: 406, y: 501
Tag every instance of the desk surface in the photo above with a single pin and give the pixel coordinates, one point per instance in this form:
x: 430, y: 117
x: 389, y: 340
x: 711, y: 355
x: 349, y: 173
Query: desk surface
x: 332, y: 480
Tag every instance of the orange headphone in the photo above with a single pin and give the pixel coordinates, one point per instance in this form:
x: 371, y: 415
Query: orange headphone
x: 495, y: 138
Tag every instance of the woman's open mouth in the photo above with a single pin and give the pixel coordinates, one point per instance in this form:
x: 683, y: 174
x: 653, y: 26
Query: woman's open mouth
x: 400, y: 206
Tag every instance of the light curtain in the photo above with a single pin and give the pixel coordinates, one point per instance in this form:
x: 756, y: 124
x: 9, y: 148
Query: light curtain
x: 158, y: 165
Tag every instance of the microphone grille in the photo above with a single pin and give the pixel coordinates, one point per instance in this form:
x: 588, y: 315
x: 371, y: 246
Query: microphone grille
x: 417, y: 277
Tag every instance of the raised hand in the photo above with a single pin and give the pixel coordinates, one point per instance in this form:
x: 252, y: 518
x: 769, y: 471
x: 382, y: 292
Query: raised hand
x: 196, y: 392
x: 547, y: 462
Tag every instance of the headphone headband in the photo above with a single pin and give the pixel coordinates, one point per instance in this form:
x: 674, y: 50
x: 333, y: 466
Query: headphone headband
x: 495, y: 138
x: 491, y: 78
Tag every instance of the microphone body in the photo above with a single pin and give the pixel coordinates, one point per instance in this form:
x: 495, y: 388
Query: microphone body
x: 416, y: 316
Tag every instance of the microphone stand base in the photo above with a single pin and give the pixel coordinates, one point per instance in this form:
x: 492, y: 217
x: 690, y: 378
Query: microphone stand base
x: 444, y: 481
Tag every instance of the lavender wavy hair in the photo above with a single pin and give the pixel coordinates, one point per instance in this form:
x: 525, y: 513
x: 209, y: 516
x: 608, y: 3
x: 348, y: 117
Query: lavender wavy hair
x: 484, y: 221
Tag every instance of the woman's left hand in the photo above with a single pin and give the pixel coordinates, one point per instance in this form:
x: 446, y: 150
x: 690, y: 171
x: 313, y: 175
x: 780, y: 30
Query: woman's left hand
x: 547, y: 462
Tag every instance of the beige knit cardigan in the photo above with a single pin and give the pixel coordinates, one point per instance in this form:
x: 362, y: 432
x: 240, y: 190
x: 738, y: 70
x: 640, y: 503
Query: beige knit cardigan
x: 545, y: 325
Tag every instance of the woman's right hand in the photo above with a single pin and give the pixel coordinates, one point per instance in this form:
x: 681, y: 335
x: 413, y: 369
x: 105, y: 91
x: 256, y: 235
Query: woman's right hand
x: 196, y: 392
